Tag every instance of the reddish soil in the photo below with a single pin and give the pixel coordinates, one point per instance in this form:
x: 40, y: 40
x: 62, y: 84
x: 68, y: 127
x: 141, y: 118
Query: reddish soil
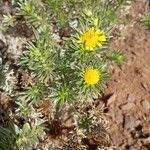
x: 129, y: 105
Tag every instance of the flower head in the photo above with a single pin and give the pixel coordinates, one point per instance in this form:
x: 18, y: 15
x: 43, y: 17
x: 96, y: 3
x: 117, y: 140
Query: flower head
x: 91, y: 76
x: 92, y: 38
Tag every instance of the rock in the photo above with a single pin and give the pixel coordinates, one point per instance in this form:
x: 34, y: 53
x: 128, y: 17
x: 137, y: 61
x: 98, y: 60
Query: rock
x: 127, y: 106
x: 130, y: 122
x: 146, y: 141
x: 146, y: 105
x: 119, y: 118
x: 131, y: 97
x: 111, y: 99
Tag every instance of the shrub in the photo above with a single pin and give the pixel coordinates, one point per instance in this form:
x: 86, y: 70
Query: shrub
x: 68, y: 57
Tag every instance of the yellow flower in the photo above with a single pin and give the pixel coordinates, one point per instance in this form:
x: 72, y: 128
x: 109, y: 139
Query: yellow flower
x: 92, y: 38
x: 91, y: 76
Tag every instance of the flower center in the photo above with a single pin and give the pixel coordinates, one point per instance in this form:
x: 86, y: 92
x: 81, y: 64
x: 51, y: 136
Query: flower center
x: 92, y: 76
x: 92, y: 38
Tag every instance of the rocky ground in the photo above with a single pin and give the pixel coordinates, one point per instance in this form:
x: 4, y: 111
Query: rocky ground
x: 129, y: 89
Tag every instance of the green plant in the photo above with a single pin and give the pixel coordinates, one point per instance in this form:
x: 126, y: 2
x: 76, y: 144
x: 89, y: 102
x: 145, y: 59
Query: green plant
x: 85, y: 122
x: 69, y: 55
x: 145, y: 20
x: 67, y: 72
x: 28, y: 136
x: 8, y: 137
x: 15, y: 138
x: 7, y: 20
